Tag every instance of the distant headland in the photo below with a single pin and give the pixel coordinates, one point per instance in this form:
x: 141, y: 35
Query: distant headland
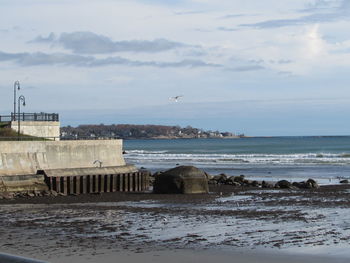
x: 132, y: 131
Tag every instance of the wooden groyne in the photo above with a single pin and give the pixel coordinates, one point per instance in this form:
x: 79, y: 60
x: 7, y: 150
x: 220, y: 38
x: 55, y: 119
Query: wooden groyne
x: 99, y: 183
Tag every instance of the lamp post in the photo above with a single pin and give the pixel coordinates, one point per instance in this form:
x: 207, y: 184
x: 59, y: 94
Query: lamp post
x: 23, y: 100
x: 16, y: 86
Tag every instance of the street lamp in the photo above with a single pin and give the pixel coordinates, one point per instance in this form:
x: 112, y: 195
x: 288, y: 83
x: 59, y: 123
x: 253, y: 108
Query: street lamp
x: 23, y: 100
x: 16, y: 87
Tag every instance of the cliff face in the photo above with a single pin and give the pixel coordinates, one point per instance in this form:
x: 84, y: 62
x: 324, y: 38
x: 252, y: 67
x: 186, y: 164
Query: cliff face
x: 129, y: 131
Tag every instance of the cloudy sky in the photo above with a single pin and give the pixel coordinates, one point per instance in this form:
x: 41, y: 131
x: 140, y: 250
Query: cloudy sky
x: 267, y: 67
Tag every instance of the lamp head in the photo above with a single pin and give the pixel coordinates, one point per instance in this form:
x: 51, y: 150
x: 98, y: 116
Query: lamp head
x: 17, y: 84
x: 22, y: 99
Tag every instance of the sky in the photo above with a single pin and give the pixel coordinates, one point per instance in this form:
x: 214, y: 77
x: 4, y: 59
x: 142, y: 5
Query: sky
x: 262, y: 68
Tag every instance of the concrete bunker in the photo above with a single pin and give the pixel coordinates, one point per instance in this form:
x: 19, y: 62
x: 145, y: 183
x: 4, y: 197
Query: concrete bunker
x: 181, y: 180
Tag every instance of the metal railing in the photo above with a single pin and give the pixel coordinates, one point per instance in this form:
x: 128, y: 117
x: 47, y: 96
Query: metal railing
x: 77, y: 138
x: 28, y: 138
x: 32, y: 138
x: 42, y: 116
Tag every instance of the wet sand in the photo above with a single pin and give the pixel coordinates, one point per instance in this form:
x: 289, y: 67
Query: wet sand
x: 227, y: 225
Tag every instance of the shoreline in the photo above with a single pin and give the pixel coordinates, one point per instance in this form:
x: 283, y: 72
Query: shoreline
x: 214, y: 192
x: 246, y: 224
x: 189, y: 256
x: 185, y: 138
x: 239, y: 137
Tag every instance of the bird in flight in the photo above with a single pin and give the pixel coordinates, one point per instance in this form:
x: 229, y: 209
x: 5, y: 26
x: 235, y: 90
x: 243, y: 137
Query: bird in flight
x: 176, y: 98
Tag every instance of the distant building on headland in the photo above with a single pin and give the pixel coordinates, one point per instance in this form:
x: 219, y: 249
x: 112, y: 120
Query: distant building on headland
x: 131, y: 131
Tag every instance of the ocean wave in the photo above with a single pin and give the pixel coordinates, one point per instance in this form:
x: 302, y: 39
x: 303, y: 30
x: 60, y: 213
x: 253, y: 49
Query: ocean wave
x: 144, y: 152
x: 253, y: 158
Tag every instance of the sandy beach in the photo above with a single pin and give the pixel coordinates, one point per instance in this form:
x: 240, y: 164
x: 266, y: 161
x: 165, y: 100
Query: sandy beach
x: 228, y: 225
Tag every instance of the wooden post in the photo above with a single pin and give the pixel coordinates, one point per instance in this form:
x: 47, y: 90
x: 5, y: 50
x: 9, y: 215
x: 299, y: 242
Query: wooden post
x: 71, y: 184
x: 113, y: 181
x: 53, y: 183
x: 127, y: 182
x: 107, y: 183
x: 102, y: 183
x: 76, y: 183
x: 147, y: 181
x: 138, y: 182
x: 121, y: 182
x: 64, y: 185
x: 131, y: 182
x: 94, y: 183
x: 48, y: 181
x: 83, y: 184
x: 89, y: 184
x: 58, y: 184
x: 117, y: 182
x: 92, y: 180
x: 142, y: 181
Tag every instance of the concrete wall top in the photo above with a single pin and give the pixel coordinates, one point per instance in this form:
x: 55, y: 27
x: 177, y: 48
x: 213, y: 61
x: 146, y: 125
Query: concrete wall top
x: 45, y: 129
x: 26, y: 157
x: 91, y: 171
x: 14, y: 124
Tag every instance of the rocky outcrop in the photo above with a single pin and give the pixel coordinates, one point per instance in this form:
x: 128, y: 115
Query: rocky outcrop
x: 220, y: 179
x: 265, y: 184
x: 181, y: 180
x: 309, y: 184
x: 284, y: 184
x: 241, y: 181
x: 223, y: 179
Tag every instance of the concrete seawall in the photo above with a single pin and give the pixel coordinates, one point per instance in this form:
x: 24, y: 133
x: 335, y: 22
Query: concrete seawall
x: 27, y: 157
x: 45, y: 129
x: 69, y: 167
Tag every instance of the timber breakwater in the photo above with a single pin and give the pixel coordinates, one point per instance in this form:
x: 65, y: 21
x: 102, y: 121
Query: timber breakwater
x: 67, y: 167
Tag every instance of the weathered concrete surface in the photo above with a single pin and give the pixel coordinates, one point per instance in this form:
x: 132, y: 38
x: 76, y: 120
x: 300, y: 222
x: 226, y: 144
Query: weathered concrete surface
x: 27, y: 157
x: 19, y: 183
x: 181, y: 180
x: 45, y: 129
x: 20, y: 161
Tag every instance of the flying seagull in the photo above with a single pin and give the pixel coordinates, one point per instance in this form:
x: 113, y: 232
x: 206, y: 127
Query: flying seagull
x: 176, y: 98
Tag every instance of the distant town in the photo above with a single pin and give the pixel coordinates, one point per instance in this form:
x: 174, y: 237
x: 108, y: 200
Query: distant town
x: 130, y: 131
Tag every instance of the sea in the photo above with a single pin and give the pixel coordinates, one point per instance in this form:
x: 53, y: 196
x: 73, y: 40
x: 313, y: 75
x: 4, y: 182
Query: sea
x: 325, y: 159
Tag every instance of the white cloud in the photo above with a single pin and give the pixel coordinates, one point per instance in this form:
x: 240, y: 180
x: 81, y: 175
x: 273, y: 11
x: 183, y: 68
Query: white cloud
x: 297, y: 47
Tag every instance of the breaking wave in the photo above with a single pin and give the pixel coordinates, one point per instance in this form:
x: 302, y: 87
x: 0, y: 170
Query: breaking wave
x: 142, y: 156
